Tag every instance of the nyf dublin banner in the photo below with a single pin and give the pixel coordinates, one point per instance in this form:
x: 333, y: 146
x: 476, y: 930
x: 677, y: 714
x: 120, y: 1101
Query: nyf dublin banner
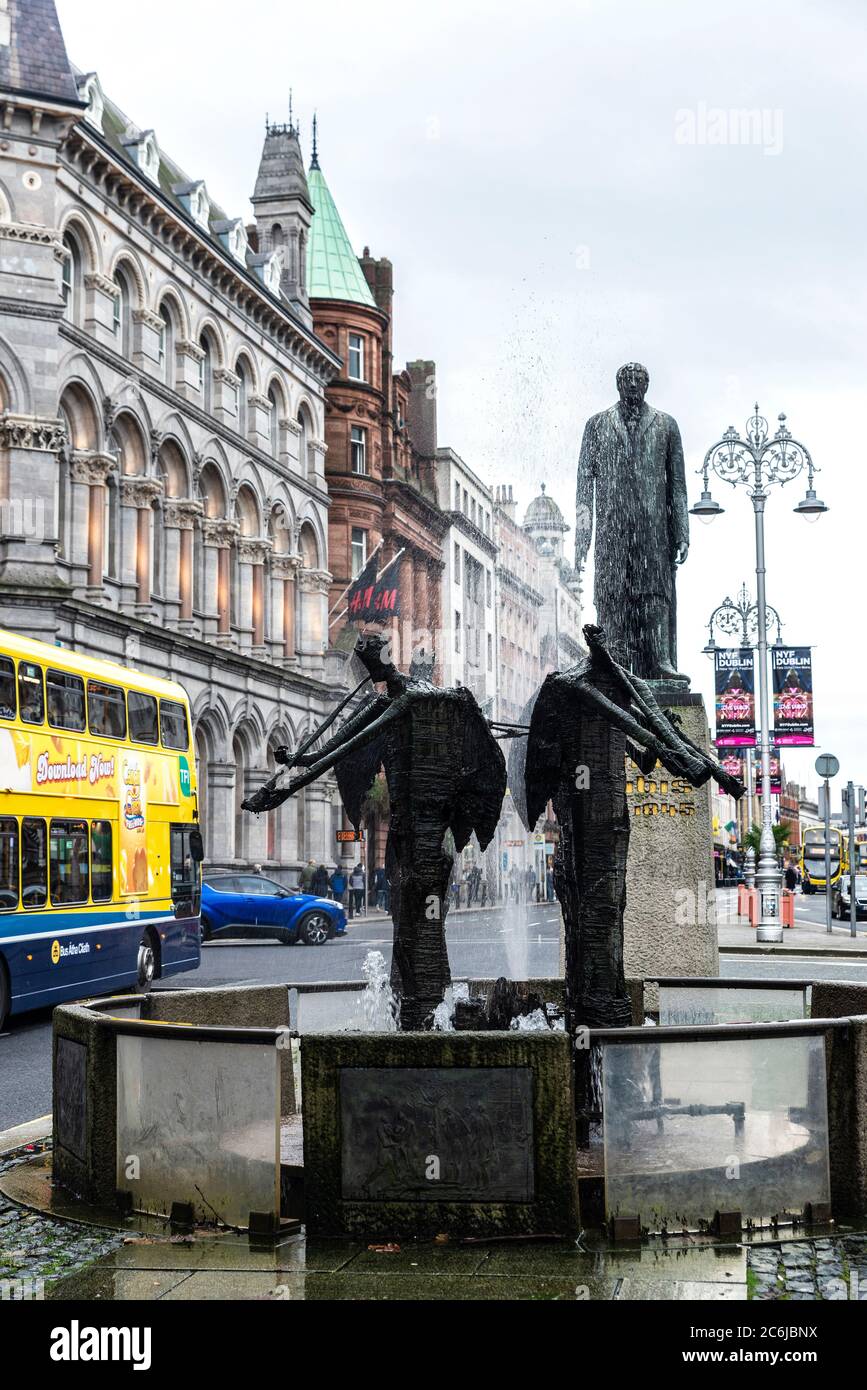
x: 735, y: 687
x: 792, y: 672
x: 733, y: 762
x: 776, y: 773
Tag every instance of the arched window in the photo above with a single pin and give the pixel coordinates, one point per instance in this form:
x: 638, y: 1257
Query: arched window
x: 276, y: 236
x: 71, y: 279
x: 123, y: 314
x: 206, y: 373
x: 167, y: 345
x: 243, y: 394
x: 273, y: 421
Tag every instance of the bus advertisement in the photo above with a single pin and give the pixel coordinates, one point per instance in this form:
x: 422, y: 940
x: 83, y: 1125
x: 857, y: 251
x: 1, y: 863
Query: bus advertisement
x: 100, y: 849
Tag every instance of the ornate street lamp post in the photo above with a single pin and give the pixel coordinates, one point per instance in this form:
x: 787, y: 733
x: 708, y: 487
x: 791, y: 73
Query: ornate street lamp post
x: 741, y: 617
x: 757, y: 462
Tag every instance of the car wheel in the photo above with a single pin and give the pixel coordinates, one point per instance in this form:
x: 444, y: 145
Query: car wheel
x: 5, y: 996
x: 315, y: 929
x: 206, y: 929
x: 146, y: 964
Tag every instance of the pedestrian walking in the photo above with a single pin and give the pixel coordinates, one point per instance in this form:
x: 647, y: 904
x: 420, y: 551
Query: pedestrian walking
x: 337, y: 884
x: 305, y: 881
x: 356, y: 886
x: 319, y: 882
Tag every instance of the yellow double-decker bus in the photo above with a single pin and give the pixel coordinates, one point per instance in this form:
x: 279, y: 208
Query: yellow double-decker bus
x: 100, y: 849
x: 813, y: 858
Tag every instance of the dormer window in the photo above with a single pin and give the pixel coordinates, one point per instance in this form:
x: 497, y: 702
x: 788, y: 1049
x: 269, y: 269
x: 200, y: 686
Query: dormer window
x: 269, y: 270
x: 233, y: 235
x: 90, y: 91
x: 194, y: 197
x: 142, y: 147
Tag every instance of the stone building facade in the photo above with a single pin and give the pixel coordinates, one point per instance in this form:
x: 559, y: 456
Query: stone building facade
x: 162, y: 429
x: 519, y: 605
x: 469, y: 604
x: 561, y: 640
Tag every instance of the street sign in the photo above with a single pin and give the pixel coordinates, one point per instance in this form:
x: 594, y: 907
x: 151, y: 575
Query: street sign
x: 346, y: 836
x: 827, y: 765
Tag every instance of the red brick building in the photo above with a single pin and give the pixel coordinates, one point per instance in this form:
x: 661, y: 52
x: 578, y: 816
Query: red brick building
x: 380, y: 432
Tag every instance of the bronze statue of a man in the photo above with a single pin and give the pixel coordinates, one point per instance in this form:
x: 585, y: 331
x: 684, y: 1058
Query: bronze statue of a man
x: 631, y: 472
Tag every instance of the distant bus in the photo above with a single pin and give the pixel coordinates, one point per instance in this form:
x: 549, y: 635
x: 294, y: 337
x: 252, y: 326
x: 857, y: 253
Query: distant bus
x: 813, y: 858
x: 100, y: 850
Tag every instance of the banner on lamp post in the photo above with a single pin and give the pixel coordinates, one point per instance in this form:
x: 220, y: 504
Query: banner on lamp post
x: 732, y: 759
x: 792, y: 674
x: 735, y: 689
x: 776, y: 774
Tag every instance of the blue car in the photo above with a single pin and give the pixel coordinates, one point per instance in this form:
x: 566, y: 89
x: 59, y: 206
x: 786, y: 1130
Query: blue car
x: 250, y: 905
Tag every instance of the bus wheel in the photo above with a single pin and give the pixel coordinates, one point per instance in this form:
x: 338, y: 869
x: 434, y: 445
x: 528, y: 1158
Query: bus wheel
x: 5, y: 999
x: 147, y: 963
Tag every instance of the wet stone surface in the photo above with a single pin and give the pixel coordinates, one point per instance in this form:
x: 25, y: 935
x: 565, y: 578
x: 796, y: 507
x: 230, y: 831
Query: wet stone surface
x: 828, y: 1270
x: 34, y: 1249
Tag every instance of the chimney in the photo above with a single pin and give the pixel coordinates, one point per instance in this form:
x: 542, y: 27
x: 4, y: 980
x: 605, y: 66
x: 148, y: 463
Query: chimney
x: 505, y: 501
x: 422, y: 407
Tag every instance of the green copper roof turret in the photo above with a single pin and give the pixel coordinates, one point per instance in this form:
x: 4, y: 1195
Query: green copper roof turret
x: 333, y: 271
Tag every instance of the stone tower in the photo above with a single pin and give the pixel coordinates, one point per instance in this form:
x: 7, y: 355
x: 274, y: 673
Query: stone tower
x: 283, y: 211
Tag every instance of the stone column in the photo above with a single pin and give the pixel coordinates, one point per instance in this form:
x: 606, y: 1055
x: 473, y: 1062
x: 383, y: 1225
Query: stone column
x: 313, y: 588
x: 257, y: 826
x: 29, y: 446
x: 179, y: 517
x: 221, y: 800
x: 88, y: 473
x: 251, y: 555
x: 283, y: 578
x: 137, y: 496
x: 217, y: 537
x: 315, y: 469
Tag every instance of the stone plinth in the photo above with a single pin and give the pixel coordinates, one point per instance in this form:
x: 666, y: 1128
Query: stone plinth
x: 670, y: 925
x: 409, y: 1135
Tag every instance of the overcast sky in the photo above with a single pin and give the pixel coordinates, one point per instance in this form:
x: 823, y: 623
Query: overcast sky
x: 551, y: 184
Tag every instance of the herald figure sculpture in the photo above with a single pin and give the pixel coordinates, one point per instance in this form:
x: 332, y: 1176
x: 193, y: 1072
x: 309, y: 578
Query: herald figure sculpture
x: 631, y: 473
x: 445, y: 772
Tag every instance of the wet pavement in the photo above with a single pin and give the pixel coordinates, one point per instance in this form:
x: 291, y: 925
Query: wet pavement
x: 52, y: 1256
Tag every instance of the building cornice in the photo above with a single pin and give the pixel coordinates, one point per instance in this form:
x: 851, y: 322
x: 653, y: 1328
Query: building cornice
x: 473, y: 533
x: 526, y: 591
x: 136, y: 197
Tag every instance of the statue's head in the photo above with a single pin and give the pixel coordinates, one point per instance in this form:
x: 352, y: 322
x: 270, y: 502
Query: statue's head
x: 374, y: 652
x: 632, y: 383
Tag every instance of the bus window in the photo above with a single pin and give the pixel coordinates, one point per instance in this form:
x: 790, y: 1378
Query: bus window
x: 34, y: 863
x: 8, y: 863
x: 106, y: 711
x: 31, y: 700
x: 69, y: 867
x: 173, y: 725
x: 184, y: 870
x: 7, y: 688
x: 65, y: 700
x: 100, y: 860
x: 143, y: 723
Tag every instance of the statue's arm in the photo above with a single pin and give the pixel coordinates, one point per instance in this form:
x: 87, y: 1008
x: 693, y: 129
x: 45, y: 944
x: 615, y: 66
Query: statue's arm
x: 678, y: 495
x: 271, y: 795
x: 352, y: 726
x: 584, y: 496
